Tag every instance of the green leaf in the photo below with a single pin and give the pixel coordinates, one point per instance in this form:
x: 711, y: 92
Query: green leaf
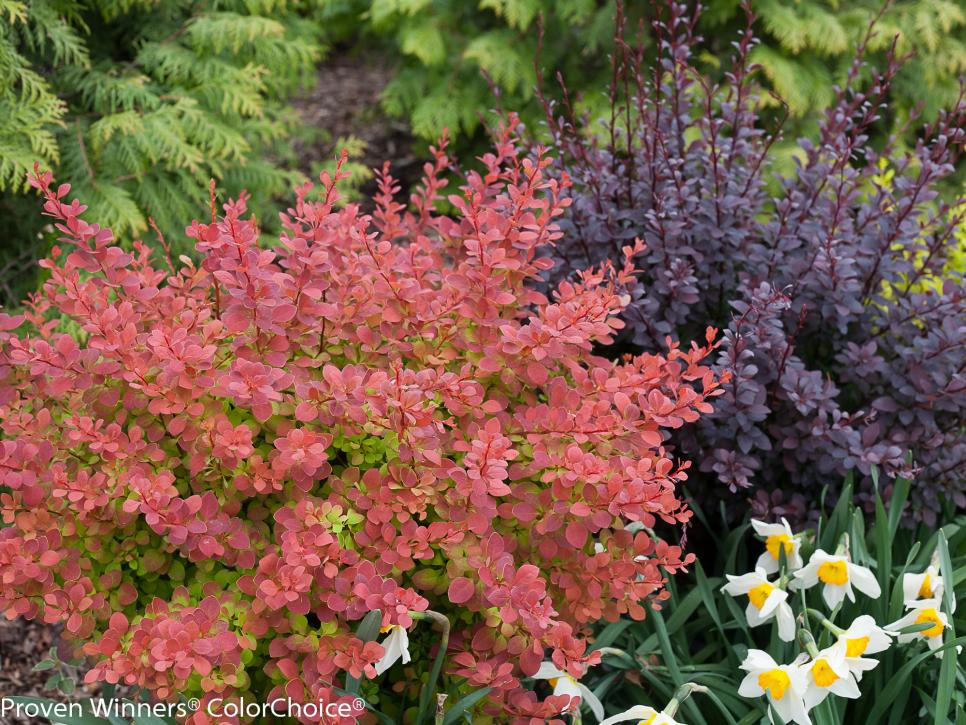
x: 803, y: 82
x: 681, y: 610
x: 426, y: 703
x: 883, y: 545
x: 708, y: 597
x: 947, y: 572
x: 609, y: 634
x: 666, y: 650
x: 913, y: 628
x: 896, y: 716
x: 464, y: 704
x: 712, y: 695
x: 897, y: 502
x: 888, y: 694
x: 750, y: 719
x: 221, y: 31
x: 732, y: 544
x: 947, y: 671
x: 107, y: 691
x: 837, y: 521
x: 661, y: 689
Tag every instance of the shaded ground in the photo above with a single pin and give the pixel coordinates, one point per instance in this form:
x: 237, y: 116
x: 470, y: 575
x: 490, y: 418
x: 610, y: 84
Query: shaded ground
x: 344, y: 103
x: 22, y: 645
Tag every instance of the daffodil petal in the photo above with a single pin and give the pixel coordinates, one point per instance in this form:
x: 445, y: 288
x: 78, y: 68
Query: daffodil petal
x: 864, y: 580
x: 548, y: 671
x: 638, y: 712
x: 591, y: 700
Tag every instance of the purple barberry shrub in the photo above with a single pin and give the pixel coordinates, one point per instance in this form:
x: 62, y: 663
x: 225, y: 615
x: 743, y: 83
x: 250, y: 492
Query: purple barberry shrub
x: 844, y: 325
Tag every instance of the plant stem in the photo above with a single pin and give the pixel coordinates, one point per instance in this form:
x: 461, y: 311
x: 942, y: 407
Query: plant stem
x: 618, y: 653
x: 808, y: 642
x: 825, y: 622
x: 442, y: 622
x: 683, y: 693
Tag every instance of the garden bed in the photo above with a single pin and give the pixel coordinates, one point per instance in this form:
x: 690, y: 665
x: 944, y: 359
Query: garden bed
x: 344, y: 103
x: 24, y: 643
x: 646, y: 411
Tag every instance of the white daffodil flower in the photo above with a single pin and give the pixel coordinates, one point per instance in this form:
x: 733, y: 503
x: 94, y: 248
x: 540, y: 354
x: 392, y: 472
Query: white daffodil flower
x: 765, y: 601
x: 564, y: 684
x: 396, y: 647
x: 642, y: 715
x: 829, y: 673
x: 777, y: 537
x: 864, y: 637
x: 784, y: 685
x: 924, y: 611
x: 927, y: 585
x: 838, y: 574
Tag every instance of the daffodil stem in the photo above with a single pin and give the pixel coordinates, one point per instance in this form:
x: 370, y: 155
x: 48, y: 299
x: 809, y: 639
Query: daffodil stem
x: 618, y: 653
x: 843, y: 548
x: 434, y: 617
x: 442, y: 623
x: 825, y: 622
x: 808, y: 642
x: 612, y: 651
x: 683, y: 693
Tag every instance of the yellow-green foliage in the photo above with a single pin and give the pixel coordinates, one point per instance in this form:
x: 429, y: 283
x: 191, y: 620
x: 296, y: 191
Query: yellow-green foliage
x: 957, y: 255
x: 809, y: 45
x: 955, y: 265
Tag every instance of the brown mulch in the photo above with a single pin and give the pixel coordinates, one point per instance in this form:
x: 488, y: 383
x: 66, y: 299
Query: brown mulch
x: 22, y: 645
x: 345, y: 102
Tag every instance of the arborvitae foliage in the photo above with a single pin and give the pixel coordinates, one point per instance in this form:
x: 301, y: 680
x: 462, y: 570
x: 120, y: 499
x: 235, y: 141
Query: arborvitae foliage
x: 140, y: 102
x: 807, y: 47
x: 450, y: 53
x: 836, y: 282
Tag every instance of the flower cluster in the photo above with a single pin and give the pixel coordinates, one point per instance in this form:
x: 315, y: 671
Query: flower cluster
x: 220, y: 469
x: 839, y: 293
x: 922, y: 595
x: 792, y: 690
